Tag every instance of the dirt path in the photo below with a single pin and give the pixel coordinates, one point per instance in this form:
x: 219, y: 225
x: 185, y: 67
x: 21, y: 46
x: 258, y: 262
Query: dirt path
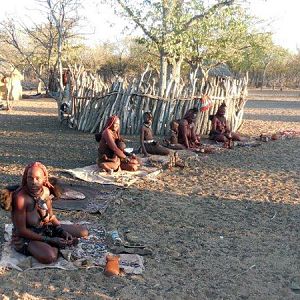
x: 229, y: 232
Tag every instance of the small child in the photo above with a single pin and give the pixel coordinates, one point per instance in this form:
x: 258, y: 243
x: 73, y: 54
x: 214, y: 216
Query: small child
x: 174, y: 132
x: 131, y: 158
x: 173, y: 141
x: 121, y: 145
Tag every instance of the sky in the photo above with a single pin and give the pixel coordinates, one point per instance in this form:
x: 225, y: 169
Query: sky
x: 285, y: 20
x: 102, y: 25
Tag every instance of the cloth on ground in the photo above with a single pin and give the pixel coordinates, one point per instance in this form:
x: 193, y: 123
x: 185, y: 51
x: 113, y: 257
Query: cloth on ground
x: 72, y: 258
x: 96, y: 200
x: 155, y: 160
x: 14, y: 260
x: 121, y: 178
x: 288, y: 134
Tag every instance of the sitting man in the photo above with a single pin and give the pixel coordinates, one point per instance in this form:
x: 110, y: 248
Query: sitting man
x: 220, y: 131
x: 36, y: 230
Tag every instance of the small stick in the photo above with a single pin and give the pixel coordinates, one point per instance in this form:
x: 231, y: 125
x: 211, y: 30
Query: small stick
x: 245, y: 271
x: 274, y: 215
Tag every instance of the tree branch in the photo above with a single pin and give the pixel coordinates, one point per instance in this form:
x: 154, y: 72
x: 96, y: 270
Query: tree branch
x: 211, y: 10
x: 136, y: 20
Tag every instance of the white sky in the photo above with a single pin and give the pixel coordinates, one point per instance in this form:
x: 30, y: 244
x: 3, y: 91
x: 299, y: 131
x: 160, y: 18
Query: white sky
x: 285, y: 20
x: 103, y: 25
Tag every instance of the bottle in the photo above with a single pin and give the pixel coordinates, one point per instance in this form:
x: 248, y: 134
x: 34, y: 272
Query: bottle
x: 115, y: 237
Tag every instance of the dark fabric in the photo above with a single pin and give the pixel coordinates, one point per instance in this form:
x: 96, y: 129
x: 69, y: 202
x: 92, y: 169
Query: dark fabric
x: 156, y: 148
x: 21, y: 244
x: 214, y: 134
x: 24, y: 249
x: 98, y: 136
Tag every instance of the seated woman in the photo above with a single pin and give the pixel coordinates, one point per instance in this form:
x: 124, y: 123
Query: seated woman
x: 172, y: 143
x: 148, y: 144
x: 36, y: 230
x: 132, y: 163
x: 186, y: 130
x: 110, y: 156
x: 220, y: 131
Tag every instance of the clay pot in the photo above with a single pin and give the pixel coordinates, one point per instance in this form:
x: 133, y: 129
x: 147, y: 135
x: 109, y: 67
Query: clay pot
x: 134, y: 161
x: 112, y: 267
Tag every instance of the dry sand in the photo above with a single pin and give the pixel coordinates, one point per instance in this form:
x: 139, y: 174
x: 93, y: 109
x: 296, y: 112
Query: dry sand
x: 229, y: 232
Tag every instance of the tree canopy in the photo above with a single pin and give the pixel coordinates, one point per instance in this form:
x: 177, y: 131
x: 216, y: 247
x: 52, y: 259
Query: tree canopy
x: 176, y: 37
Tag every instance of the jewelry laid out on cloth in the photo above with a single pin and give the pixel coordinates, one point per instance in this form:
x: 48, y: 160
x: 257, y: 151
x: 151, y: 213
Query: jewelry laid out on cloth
x: 94, y: 246
x: 119, y: 255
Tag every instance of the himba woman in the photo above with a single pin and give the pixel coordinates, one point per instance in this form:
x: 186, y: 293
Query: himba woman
x: 186, y: 130
x: 150, y: 146
x: 220, y: 130
x: 36, y: 230
x: 110, y: 156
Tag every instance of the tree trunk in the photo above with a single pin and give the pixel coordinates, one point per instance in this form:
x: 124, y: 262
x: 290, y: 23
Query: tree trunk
x: 193, y: 76
x: 40, y: 84
x: 59, y: 64
x: 176, y: 72
x: 264, y: 75
x: 163, y: 73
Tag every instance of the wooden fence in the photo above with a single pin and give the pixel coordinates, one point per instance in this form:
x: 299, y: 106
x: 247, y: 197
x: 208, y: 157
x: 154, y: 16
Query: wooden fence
x: 93, y: 101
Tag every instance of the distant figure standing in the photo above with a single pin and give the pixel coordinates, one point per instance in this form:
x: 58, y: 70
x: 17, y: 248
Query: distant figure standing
x: 12, y: 87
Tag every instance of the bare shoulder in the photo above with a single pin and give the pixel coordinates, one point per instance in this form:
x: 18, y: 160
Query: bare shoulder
x: 46, y: 192
x: 20, y: 196
x: 106, y: 132
x: 20, y: 200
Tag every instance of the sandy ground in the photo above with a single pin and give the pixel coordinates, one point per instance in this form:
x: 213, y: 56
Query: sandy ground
x: 230, y: 231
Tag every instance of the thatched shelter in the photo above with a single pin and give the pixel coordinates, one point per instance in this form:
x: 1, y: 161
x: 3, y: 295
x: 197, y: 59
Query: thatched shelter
x: 10, y: 86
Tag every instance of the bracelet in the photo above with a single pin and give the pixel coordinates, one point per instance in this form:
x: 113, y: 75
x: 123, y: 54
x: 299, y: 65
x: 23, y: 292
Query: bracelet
x: 59, y: 230
x: 45, y: 239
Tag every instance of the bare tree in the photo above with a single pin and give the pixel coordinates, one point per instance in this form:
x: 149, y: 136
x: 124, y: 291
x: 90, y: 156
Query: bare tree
x: 64, y: 15
x: 41, y: 46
